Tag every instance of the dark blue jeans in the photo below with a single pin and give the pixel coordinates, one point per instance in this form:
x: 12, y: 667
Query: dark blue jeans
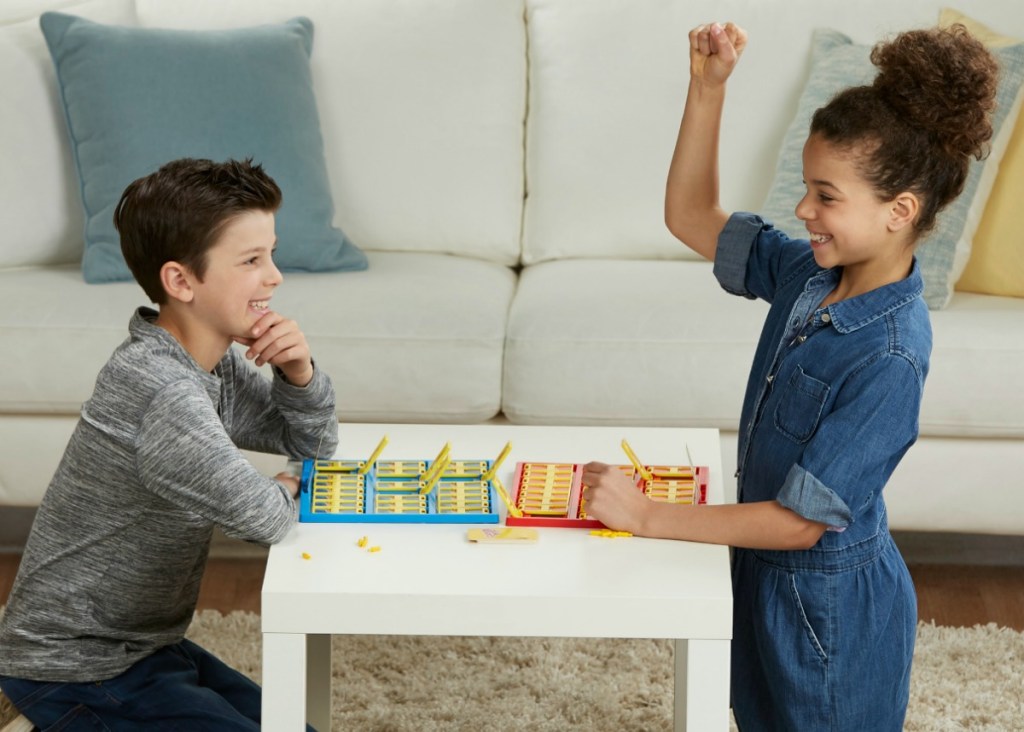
x: 180, y: 687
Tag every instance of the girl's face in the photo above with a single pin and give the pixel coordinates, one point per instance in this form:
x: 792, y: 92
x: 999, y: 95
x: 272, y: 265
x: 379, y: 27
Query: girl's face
x: 847, y: 222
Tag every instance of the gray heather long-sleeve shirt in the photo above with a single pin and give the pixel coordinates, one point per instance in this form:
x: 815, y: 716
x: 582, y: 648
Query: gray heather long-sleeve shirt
x: 112, y: 567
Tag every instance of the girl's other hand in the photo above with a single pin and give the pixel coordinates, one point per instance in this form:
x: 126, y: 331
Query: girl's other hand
x: 714, y: 51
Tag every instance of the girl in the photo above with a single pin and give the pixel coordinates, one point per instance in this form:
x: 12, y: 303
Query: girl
x: 824, y: 609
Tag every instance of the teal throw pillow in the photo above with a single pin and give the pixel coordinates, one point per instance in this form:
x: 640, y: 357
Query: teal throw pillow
x: 837, y: 63
x: 136, y: 98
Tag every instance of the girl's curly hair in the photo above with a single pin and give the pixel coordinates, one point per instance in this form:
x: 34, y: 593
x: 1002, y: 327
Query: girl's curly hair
x: 927, y: 113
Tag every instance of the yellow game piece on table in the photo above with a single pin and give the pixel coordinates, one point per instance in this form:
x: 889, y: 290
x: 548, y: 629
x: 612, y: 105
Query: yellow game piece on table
x: 362, y: 542
x: 608, y: 533
x: 306, y: 556
x: 507, y: 535
x: 374, y: 549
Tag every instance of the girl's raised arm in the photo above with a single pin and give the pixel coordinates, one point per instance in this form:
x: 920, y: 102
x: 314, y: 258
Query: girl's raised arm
x: 692, y: 210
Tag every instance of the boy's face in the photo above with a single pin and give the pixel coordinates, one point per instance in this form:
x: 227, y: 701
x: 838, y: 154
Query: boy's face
x: 240, y: 276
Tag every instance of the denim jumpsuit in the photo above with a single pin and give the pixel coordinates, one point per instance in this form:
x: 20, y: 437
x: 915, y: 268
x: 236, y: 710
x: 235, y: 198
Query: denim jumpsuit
x: 823, y: 638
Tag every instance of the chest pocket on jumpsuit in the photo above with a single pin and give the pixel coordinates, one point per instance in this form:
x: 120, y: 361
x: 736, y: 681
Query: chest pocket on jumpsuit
x: 799, y: 409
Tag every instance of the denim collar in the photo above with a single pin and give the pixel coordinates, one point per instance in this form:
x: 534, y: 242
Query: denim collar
x: 856, y: 312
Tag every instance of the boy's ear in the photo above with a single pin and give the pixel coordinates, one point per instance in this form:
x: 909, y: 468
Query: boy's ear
x: 177, y: 281
x: 903, y: 211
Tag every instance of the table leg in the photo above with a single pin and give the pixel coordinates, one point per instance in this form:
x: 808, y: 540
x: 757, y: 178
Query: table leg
x: 284, y: 682
x: 702, y: 685
x: 318, y: 681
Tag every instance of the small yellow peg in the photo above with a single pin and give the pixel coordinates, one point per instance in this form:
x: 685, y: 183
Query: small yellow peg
x: 373, y: 457
x: 644, y: 472
x: 444, y: 452
x: 435, y: 472
x: 438, y: 465
x: 498, y: 461
x: 499, y: 487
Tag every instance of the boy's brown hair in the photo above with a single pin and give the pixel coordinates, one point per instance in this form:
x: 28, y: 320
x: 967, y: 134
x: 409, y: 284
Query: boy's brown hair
x: 177, y: 213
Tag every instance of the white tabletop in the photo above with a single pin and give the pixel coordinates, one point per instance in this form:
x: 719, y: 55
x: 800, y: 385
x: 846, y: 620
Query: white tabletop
x: 429, y: 580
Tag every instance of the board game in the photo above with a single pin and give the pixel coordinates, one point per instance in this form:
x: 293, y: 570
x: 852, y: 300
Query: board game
x: 445, y: 490
x: 553, y: 494
x: 441, y: 490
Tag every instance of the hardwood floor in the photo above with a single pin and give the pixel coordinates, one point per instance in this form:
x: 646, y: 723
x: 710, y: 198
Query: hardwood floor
x: 948, y: 594
x: 964, y: 595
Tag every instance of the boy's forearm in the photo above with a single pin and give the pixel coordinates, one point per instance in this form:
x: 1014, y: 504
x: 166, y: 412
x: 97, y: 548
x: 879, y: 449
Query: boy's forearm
x: 311, y: 416
x: 298, y: 374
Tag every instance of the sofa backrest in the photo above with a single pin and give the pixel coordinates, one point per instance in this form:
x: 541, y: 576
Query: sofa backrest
x: 40, y: 204
x: 608, y: 80
x: 421, y: 107
x: 508, y: 130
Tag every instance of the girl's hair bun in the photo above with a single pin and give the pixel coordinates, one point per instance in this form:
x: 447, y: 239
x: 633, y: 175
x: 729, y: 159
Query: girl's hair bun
x: 943, y: 81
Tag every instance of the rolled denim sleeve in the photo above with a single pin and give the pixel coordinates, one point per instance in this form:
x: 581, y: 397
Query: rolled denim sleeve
x: 733, y: 252
x: 858, y: 444
x: 804, y: 494
x: 754, y: 259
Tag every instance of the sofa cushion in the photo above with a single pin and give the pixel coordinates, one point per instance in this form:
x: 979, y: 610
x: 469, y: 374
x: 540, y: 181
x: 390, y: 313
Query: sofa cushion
x: 607, y: 81
x: 417, y: 337
x: 627, y: 342
x: 630, y: 342
x: 996, y: 265
x: 837, y: 63
x: 42, y: 212
x: 60, y: 332
x: 974, y: 386
x: 422, y: 107
x: 230, y: 94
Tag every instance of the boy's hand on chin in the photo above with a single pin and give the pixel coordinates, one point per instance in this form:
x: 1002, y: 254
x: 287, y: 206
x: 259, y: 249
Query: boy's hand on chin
x: 279, y: 341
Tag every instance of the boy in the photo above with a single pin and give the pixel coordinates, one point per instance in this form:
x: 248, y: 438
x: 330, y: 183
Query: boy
x: 93, y: 633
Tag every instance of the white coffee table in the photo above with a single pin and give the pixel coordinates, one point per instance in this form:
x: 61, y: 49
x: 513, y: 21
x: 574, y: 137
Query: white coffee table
x: 429, y: 580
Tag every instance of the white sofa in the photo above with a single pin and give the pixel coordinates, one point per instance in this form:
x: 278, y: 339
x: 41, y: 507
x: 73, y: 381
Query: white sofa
x: 502, y: 163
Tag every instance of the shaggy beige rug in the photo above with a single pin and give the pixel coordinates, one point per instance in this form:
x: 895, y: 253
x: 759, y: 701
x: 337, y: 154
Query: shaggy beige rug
x: 963, y: 679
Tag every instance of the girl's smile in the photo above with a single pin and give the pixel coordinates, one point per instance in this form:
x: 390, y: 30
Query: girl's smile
x: 849, y: 224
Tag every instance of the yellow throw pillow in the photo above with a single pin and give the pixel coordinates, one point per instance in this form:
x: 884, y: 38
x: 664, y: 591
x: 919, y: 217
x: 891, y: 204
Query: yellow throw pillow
x: 996, y: 264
